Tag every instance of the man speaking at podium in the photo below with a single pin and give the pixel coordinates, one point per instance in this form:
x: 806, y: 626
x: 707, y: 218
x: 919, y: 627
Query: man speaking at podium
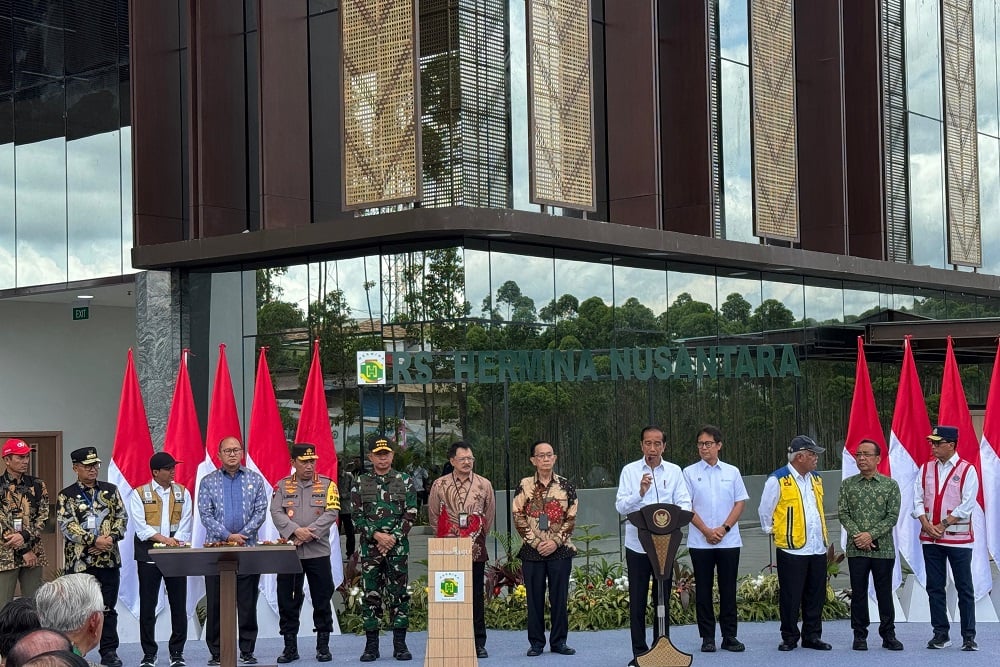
x: 644, y: 482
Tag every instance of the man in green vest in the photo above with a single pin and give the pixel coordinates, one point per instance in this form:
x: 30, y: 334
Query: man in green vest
x: 161, y: 511
x: 791, y: 509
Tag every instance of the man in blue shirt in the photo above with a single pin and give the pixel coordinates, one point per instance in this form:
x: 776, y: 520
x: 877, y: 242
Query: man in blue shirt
x: 232, y: 504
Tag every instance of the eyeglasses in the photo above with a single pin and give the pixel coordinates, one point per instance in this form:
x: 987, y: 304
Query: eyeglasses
x: 547, y: 455
x: 232, y: 452
x: 942, y: 443
x: 466, y: 459
x: 865, y: 455
x: 705, y: 444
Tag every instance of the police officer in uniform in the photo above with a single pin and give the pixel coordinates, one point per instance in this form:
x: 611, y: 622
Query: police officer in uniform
x: 92, y: 520
x: 161, y: 512
x: 384, y: 507
x: 304, y: 508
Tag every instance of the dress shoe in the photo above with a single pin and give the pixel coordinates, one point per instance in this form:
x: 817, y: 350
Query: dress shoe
x: 708, y: 646
x: 733, y: 644
x: 534, y: 652
x: 787, y: 646
x: 481, y: 652
x: 562, y: 649
x: 860, y: 645
x: 816, y: 644
x: 892, y: 644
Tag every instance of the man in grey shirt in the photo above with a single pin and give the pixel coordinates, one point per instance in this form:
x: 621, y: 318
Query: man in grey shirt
x: 304, y: 508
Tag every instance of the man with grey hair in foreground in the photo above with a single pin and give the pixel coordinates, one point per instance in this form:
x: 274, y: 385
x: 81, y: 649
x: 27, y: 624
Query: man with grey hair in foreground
x: 35, y: 643
x: 73, y: 604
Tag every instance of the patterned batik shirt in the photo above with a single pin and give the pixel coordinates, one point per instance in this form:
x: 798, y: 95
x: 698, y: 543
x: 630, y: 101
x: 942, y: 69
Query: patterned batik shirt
x: 870, y: 506
x: 545, y: 512
x: 24, y: 508
x: 84, y: 514
x: 450, y: 498
x: 249, y: 515
x: 383, y: 504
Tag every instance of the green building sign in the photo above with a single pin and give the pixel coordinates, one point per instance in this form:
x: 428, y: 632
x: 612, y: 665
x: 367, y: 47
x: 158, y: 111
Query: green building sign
x: 639, y: 363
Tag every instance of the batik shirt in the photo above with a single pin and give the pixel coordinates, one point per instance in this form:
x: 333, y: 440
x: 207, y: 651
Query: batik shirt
x: 450, y: 498
x: 24, y: 506
x: 870, y: 506
x: 545, y: 512
x: 84, y: 514
x: 222, y: 518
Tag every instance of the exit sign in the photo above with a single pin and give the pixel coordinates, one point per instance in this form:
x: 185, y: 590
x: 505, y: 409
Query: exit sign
x: 82, y: 313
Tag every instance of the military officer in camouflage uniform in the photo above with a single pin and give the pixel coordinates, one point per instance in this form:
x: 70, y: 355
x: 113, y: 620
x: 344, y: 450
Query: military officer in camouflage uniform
x: 384, y: 508
x: 304, y: 508
x: 92, y: 519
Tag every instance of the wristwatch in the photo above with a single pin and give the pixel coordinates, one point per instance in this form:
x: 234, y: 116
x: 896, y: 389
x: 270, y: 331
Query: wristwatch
x: 727, y: 527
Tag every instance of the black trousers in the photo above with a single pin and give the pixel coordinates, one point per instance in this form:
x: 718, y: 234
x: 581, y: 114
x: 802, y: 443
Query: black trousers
x: 247, y: 591
x: 110, y: 580
x: 347, y: 530
x: 705, y: 563
x: 881, y: 571
x: 802, y: 580
x: 639, y: 574
x: 556, y: 573
x: 290, y: 596
x: 149, y: 593
x: 478, y: 602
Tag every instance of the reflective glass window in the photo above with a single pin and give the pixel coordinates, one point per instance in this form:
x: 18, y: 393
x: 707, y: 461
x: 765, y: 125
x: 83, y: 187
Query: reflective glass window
x: 734, y: 31
x: 7, y: 253
x: 989, y: 202
x: 923, y: 57
x: 927, y: 212
x: 739, y: 302
x: 477, y: 280
x: 93, y: 177
x: 520, y: 285
x: 736, y: 153
x: 691, y: 292
x: 40, y: 184
x: 862, y: 301
x: 125, y: 160
x: 518, y: 58
x: 984, y: 15
x: 824, y: 302
x: 783, y: 304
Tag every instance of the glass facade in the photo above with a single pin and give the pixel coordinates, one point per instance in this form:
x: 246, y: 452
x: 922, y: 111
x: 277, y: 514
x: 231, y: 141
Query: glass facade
x: 734, y: 100
x: 486, y: 298
x: 65, y: 149
x: 986, y: 14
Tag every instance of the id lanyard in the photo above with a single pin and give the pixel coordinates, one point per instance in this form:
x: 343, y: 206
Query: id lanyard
x: 91, y: 523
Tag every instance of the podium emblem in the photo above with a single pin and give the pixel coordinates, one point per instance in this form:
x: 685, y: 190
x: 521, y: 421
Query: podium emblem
x: 661, y: 518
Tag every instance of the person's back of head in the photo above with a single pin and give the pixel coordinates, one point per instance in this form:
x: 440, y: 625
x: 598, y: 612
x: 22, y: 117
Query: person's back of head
x: 16, y: 618
x: 35, y: 643
x: 57, y: 659
x: 67, y: 602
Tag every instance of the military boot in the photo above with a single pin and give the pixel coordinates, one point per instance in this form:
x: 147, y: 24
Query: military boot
x: 291, y: 651
x: 323, y: 647
x: 399, y: 650
x: 371, y: 646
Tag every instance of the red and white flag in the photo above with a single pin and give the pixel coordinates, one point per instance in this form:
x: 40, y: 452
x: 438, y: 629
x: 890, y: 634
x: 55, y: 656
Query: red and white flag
x: 183, y: 442
x: 954, y: 411
x: 314, y: 419
x: 908, y: 450
x: 223, y: 417
x: 129, y: 469
x: 314, y: 428
x: 989, y: 452
x: 267, y: 453
x: 864, y: 425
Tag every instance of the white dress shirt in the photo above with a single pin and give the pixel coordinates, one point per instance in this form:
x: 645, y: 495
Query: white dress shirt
x: 668, y: 487
x: 714, y: 491
x: 814, y: 518
x: 970, y: 494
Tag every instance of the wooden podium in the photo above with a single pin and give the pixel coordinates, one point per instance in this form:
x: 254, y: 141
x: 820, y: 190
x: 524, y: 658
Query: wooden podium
x: 450, y: 641
x: 226, y: 562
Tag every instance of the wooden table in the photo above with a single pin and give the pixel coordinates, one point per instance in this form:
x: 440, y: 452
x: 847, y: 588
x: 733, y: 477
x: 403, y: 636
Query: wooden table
x: 226, y: 563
